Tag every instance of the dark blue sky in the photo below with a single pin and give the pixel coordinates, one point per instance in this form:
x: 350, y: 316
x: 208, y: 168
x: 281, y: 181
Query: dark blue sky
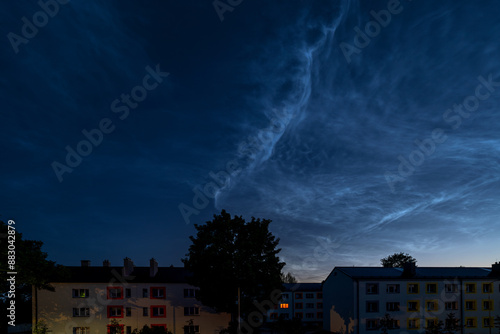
x: 360, y: 128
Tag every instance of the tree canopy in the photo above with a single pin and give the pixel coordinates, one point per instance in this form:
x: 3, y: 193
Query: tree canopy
x: 229, y: 253
x: 397, y: 260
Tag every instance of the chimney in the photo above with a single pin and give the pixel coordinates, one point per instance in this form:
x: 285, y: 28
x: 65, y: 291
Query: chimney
x: 85, y: 263
x: 128, y: 267
x: 153, y: 267
x: 106, y: 263
x: 495, y: 268
x: 409, y: 269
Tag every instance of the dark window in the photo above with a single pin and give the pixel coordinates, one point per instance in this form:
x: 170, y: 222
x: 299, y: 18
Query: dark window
x: 80, y: 293
x: 371, y: 288
x: 191, y: 310
x: 371, y: 306
x: 298, y: 306
x: 128, y: 293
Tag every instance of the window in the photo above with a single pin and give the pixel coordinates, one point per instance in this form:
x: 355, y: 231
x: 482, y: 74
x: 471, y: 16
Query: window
x: 392, y: 306
x: 191, y: 329
x: 284, y: 296
x: 319, y: 315
x: 319, y: 305
x: 470, y: 322
x: 115, y: 311
x: 413, y: 323
x: 451, y: 288
x: 81, y: 312
x: 128, y: 293
x: 371, y: 306
x: 80, y: 293
x: 158, y: 293
x: 431, y: 322
x: 129, y: 330
x: 115, y: 292
x: 393, y: 324
x: 309, y: 315
x: 488, y: 322
x: 487, y: 288
x: 309, y: 295
x: 298, y: 306
x: 319, y: 295
x: 283, y: 305
x: 431, y: 305
x: 190, y: 293
x: 488, y: 305
x: 285, y: 315
x: 128, y: 311
x: 371, y: 324
x: 115, y: 329
x: 158, y: 311
x: 412, y: 288
x: 392, y: 288
x: 470, y: 305
x: 273, y: 316
x: 431, y: 288
x: 298, y: 315
x: 81, y: 330
x: 309, y: 305
x: 371, y: 288
x: 413, y: 305
x: 145, y: 293
x: 298, y: 295
x: 189, y: 310
x: 451, y: 306
x: 470, y: 287
x: 145, y: 311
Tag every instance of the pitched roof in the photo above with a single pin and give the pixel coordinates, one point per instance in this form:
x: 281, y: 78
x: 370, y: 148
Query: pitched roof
x: 115, y: 274
x: 420, y: 272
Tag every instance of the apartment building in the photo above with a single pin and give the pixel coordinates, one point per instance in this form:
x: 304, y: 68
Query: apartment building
x: 117, y: 300
x: 357, y: 298
x: 302, y: 301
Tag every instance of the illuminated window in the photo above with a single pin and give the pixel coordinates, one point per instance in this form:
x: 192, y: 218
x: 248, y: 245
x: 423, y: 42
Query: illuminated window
x: 412, y: 288
x: 470, y: 287
x: 115, y: 292
x: 431, y: 288
x: 283, y: 305
x: 81, y: 312
x: 413, y: 305
x: 80, y: 293
x: 470, y: 322
x: 470, y: 305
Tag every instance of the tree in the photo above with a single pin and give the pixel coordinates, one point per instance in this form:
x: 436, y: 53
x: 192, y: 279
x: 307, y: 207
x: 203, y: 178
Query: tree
x: 435, y: 327
x: 386, y: 323
x: 288, y: 278
x: 30, y: 263
x: 452, y: 324
x: 151, y: 330
x: 397, y: 260
x: 228, y: 254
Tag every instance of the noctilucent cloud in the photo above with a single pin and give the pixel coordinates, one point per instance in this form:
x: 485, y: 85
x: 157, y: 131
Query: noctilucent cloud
x: 359, y: 128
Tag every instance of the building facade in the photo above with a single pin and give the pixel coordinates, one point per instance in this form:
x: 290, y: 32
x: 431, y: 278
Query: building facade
x: 117, y: 300
x: 357, y: 299
x: 301, y: 301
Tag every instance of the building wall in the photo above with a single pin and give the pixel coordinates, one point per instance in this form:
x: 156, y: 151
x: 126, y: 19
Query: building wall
x: 306, y: 305
x: 339, y: 296
x: 56, y: 308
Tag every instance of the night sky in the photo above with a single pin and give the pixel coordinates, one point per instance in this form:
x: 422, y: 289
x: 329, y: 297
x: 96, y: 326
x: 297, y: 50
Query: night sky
x: 360, y: 128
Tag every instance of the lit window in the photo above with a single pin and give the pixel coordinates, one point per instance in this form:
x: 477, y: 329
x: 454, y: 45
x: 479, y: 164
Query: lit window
x: 80, y: 293
x: 283, y: 305
x: 81, y: 312
x: 191, y: 311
